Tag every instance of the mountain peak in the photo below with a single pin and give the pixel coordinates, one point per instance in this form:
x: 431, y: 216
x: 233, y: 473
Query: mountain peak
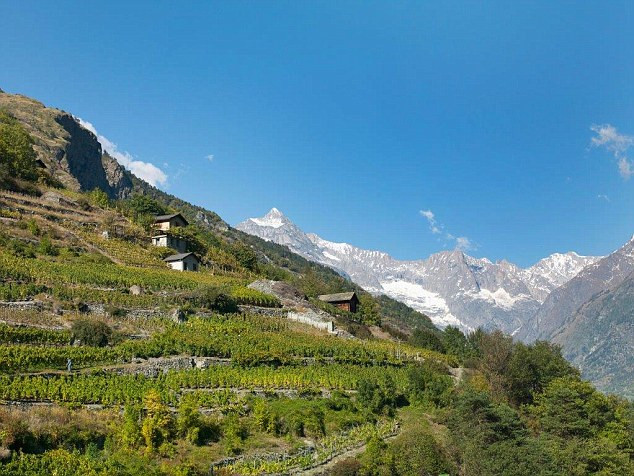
x: 273, y: 219
x: 274, y: 213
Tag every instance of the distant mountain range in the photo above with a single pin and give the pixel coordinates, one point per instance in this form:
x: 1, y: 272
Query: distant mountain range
x: 584, y: 303
x: 451, y: 287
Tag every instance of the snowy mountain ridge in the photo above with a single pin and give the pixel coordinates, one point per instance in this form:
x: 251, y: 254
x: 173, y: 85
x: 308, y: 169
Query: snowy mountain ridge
x: 451, y: 287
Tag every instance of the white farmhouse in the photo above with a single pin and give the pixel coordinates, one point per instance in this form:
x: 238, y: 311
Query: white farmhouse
x: 183, y: 262
x: 170, y: 241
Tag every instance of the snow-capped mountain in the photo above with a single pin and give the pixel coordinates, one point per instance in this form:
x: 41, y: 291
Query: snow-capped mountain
x: 451, y: 287
x: 562, y: 304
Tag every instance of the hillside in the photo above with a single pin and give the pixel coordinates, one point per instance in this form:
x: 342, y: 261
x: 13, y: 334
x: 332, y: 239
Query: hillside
x: 76, y: 159
x: 599, y: 339
x: 562, y: 304
x: 111, y: 363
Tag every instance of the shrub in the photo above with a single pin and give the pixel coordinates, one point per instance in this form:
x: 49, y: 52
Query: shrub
x: 213, y: 298
x: 99, y: 198
x: 346, y: 467
x: 90, y: 332
x: 416, y: 452
x: 46, y: 247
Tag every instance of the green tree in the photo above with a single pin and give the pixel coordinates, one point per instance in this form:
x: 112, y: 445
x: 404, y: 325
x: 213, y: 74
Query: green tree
x: 369, y: 311
x: 91, y: 332
x: 427, y: 339
x: 139, y: 205
x: 17, y: 157
x: 532, y: 368
x: 188, y: 422
x: 100, y: 198
x: 157, y: 424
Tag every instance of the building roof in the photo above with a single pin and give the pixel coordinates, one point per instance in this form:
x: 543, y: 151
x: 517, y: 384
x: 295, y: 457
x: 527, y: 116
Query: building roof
x: 179, y: 257
x: 339, y: 297
x: 162, y: 218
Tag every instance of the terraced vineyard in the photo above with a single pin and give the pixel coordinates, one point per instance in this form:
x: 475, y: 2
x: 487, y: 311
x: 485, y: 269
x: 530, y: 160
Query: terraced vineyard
x: 223, y: 380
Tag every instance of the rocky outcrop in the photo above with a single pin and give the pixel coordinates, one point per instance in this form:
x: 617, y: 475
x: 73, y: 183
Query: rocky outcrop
x: 71, y: 153
x: 296, y: 307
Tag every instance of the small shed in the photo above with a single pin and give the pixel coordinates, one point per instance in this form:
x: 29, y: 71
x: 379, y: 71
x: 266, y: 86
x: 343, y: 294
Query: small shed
x: 346, y: 301
x: 168, y: 240
x: 166, y: 222
x: 183, y: 262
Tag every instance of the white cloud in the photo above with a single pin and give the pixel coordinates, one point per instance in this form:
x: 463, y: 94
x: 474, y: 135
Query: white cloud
x: 603, y: 196
x: 464, y: 244
x: 625, y: 167
x: 461, y: 243
x: 210, y: 157
x: 144, y: 170
x: 431, y: 219
x: 608, y: 137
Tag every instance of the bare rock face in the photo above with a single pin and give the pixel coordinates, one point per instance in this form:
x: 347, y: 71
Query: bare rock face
x: 287, y: 294
x: 70, y: 153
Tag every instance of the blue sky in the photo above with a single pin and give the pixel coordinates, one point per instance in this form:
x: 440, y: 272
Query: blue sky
x: 357, y: 118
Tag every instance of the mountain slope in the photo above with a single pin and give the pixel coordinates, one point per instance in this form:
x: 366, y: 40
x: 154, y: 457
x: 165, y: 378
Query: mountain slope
x: 73, y: 155
x: 599, y: 339
x: 451, y: 287
x: 562, y: 304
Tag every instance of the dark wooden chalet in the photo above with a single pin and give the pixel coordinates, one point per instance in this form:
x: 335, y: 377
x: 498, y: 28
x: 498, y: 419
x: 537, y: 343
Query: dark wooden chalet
x: 346, y: 301
x: 166, y: 222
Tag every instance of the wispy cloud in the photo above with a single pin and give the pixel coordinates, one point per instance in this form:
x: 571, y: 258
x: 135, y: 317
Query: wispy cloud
x: 608, y: 137
x: 603, y: 196
x: 210, y: 157
x: 461, y: 243
x: 431, y: 219
x: 144, y: 170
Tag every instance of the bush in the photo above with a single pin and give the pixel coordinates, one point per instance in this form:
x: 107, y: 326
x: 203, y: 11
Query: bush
x: 90, y: 332
x: 212, y: 298
x: 346, y: 467
x: 416, y: 452
x: 99, y: 198
x: 46, y: 247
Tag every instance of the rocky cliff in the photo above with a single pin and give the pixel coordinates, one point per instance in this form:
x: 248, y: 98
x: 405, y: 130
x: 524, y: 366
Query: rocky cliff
x: 70, y: 152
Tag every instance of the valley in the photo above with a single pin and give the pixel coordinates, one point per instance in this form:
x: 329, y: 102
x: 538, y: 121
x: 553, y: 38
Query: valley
x: 113, y: 362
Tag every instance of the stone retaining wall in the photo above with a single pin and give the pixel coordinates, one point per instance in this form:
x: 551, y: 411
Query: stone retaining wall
x: 21, y: 305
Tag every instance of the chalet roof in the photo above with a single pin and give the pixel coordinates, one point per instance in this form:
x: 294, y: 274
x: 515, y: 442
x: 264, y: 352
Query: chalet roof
x: 339, y: 297
x: 179, y: 257
x: 163, y: 218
